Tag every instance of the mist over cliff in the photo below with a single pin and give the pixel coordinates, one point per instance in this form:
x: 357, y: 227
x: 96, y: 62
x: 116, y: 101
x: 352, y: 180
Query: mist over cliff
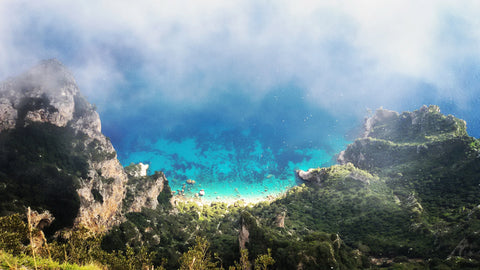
x: 238, y: 99
x: 55, y: 158
x: 404, y: 193
x: 187, y: 90
x: 167, y: 72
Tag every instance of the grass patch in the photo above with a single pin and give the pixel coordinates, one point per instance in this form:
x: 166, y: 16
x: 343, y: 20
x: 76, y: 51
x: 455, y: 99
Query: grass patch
x: 9, y: 261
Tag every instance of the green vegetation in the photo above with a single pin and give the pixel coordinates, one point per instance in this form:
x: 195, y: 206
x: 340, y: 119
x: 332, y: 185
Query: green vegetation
x: 169, y: 233
x: 8, y: 261
x: 41, y: 167
x: 263, y: 261
x: 406, y: 197
x: 96, y: 152
x: 69, y: 250
x: 81, y: 249
x: 424, y: 125
x: 13, y: 234
x: 198, y: 257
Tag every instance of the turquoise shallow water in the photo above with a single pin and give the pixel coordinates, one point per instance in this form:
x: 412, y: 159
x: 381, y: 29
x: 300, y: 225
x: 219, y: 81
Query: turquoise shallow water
x: 235, y: 167
x: 231, y: 147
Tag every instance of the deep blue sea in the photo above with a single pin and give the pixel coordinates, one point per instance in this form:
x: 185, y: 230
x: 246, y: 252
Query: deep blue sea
x: 233, y: 146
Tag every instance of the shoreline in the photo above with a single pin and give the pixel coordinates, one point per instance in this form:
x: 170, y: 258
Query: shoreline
x: 228, y: 200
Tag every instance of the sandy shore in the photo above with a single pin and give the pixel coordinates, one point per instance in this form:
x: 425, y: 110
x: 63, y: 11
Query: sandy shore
x: 250, y: 200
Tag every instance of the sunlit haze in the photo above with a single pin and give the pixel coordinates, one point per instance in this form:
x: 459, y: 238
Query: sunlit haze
x: 236, y: 95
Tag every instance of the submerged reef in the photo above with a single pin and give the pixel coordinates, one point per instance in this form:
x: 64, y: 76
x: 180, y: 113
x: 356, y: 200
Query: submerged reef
x: 403, y: 196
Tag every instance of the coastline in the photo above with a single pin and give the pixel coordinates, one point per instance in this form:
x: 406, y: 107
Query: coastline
x: 228, y: 200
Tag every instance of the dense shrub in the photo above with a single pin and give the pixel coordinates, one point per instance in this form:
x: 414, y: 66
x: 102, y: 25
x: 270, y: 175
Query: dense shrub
x: 39, y: 167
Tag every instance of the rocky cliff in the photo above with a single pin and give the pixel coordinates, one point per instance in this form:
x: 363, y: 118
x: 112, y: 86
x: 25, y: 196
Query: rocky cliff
x: 422, y: 171
x: 48, y: 127
x: 391, y: 138
x: 142, y: 189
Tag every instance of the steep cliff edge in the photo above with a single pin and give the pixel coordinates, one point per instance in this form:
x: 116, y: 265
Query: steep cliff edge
x: 391, y: 139
x: 53, y: 155
x: 424, y: 152
x: 426, y: 167
x: 144, y: 190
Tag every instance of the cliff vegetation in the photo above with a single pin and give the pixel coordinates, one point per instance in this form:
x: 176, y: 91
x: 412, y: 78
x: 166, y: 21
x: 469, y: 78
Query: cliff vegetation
x: 403, y: 196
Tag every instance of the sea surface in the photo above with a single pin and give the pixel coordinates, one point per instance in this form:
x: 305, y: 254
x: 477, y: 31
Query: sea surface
x: 233, y: 149
x: 234, y: 146
x: 229, y: 163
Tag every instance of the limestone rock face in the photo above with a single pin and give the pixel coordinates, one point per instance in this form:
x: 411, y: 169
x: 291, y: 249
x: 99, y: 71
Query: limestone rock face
x: 243, y: 237
x: 48, y: 94
x: 280, y: 219
x: 43, y: 94
x: 379, y: 116
x: 137, y: 170
x: 422, y: 125
x: 101, y: 214
x: 408, y: 136
x: 319, y: 176
x: 143, y: 191
x: 8, y: 114
x: 312, y: 175
x: 40, y: 220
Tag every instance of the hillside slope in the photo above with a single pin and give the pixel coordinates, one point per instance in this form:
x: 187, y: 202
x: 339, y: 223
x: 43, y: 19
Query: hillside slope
x: 422, y: 171
x: 403, y: 194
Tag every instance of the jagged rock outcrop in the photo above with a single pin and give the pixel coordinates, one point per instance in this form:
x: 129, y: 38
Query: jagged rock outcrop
x: 391, y: 138
x: 318, y: 176
x: 422, y: 125
x: 244, y: 233
x: 431, y: 165
x: 280, y: 219
x: 143, y: 190
x: 48, y: 94
x: 379, y: 116
x: 40, y: 220
x: 137, y: 170
x: 44, y: 94
x: 312, y: 175
x: 47, y: 97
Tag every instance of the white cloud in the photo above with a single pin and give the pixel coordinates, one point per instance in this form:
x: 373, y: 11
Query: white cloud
x: 341, y: 52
